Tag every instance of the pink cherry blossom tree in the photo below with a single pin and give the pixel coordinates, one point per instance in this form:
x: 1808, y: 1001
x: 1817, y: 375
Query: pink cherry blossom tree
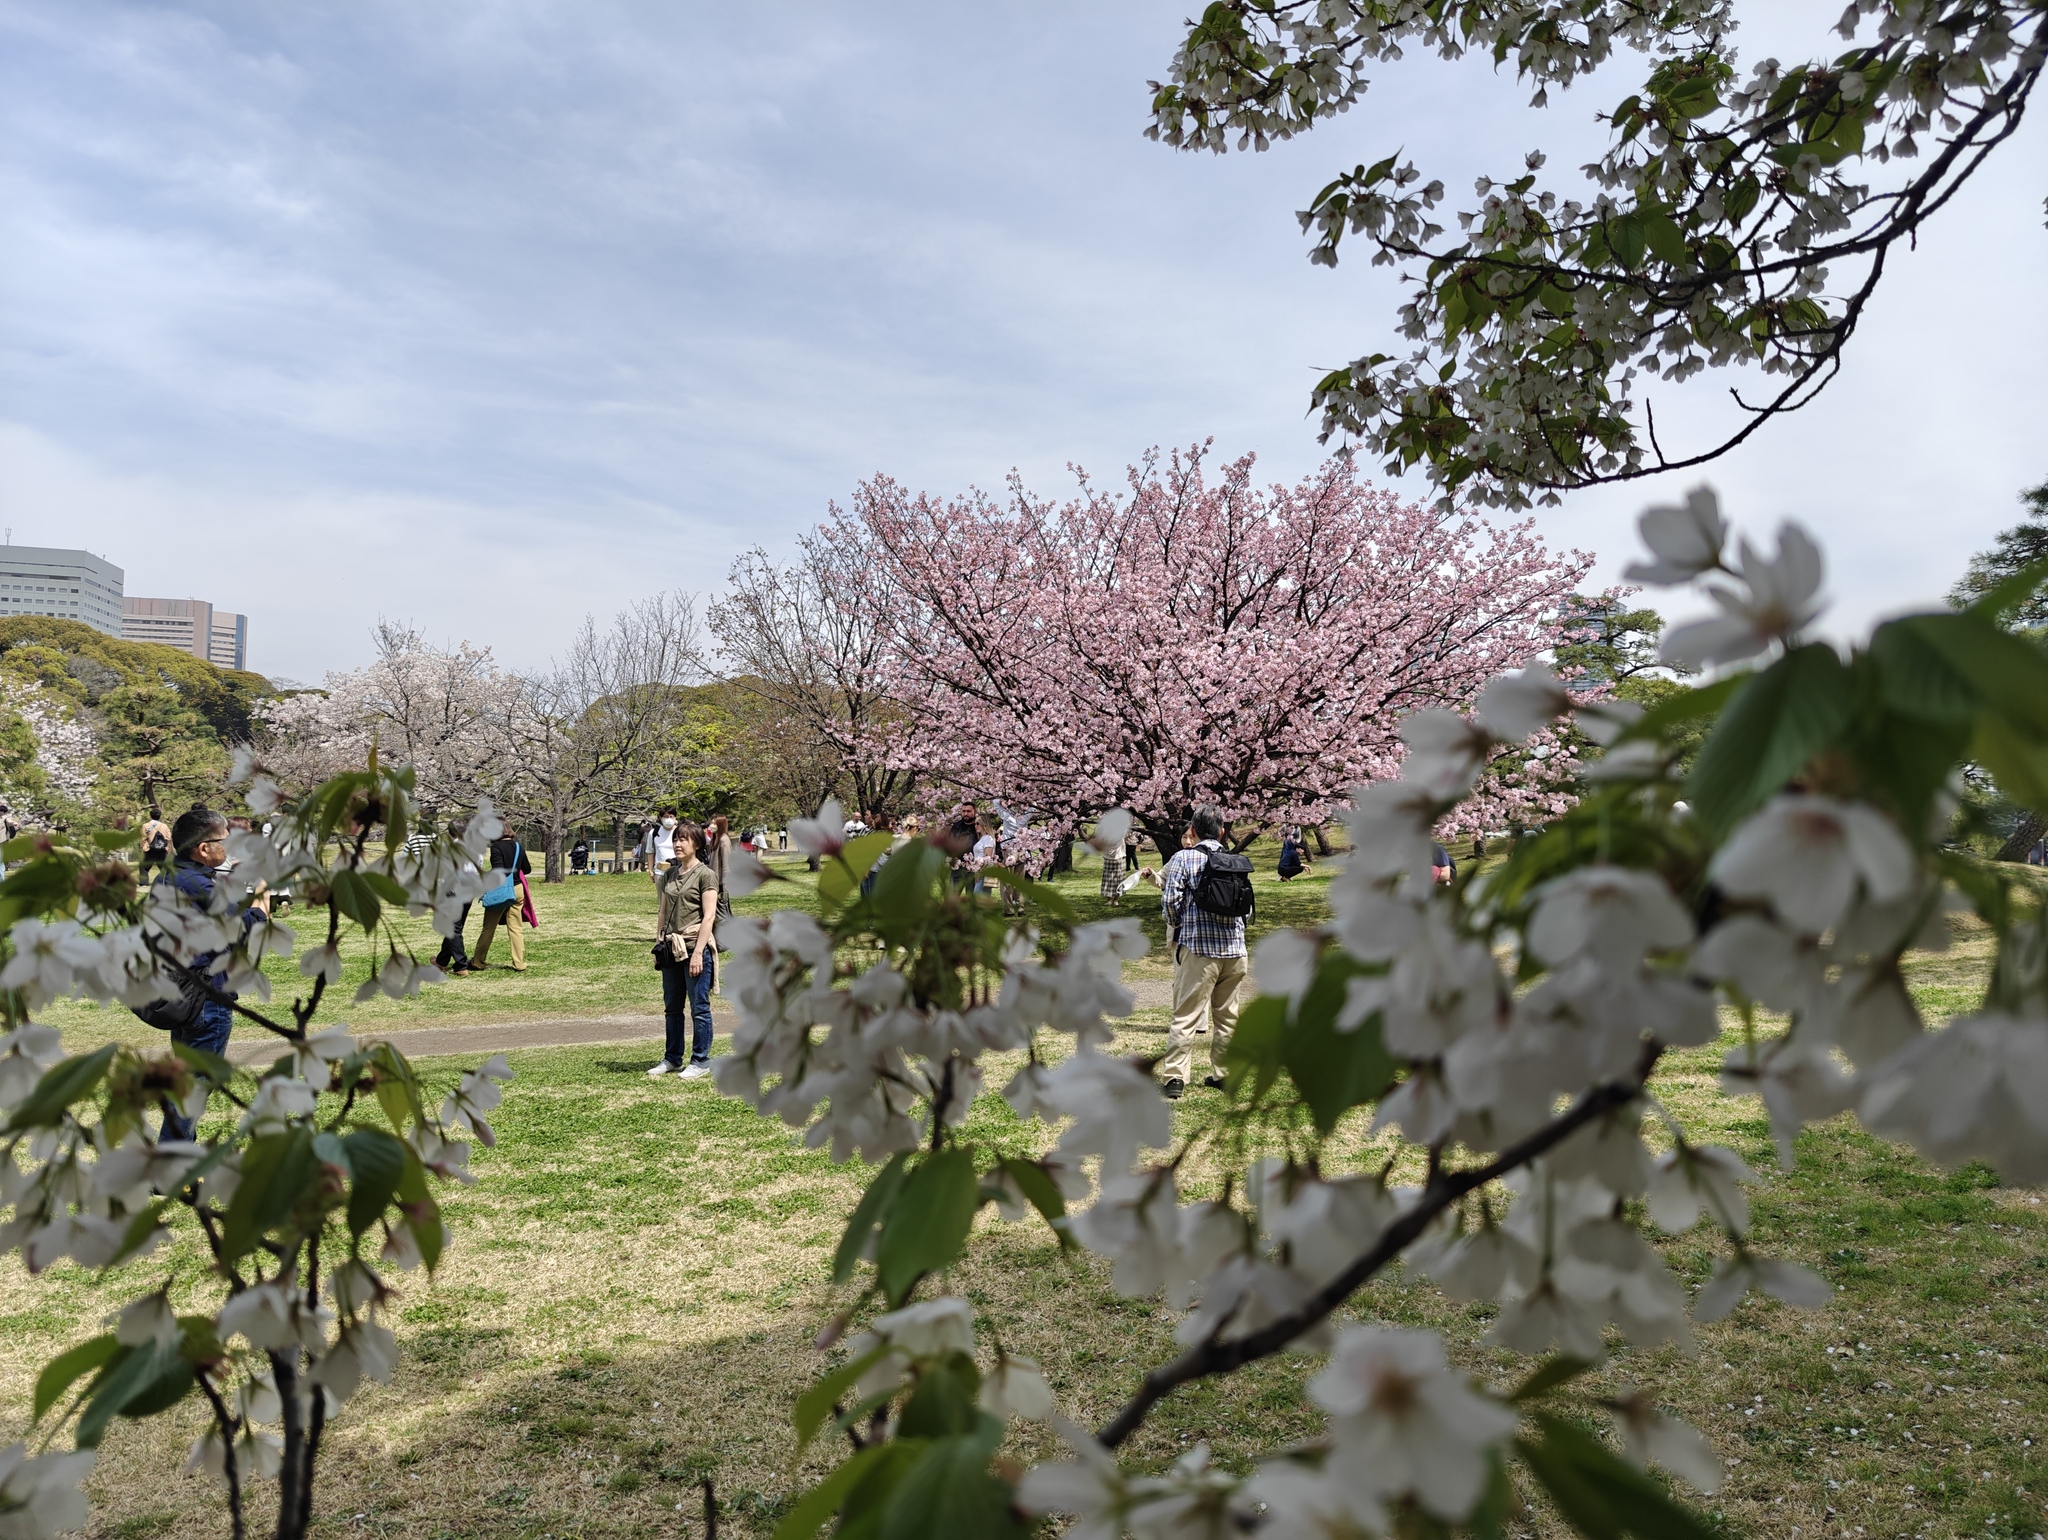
x: 1193, y: 637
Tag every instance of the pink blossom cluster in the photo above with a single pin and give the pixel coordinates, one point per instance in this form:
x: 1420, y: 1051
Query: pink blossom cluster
x: 1192, y: 637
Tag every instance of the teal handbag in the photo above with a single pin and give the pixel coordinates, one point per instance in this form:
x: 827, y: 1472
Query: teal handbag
x: 508, y: 890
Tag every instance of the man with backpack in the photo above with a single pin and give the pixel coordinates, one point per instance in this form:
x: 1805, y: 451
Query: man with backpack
x: 1206, y: 895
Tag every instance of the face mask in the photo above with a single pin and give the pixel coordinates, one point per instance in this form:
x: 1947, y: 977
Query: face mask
x: 668, y: 823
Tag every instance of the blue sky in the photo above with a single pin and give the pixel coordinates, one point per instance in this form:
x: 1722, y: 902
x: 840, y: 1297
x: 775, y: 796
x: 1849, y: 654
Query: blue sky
x: 489, y: 315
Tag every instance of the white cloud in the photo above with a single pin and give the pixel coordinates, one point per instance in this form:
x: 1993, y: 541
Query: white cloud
x: 579, y: 300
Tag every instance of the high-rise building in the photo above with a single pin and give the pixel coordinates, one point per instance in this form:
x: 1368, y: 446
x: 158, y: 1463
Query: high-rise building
x: 190, y: 625
x: 230, y: 648
x: 71, y: 585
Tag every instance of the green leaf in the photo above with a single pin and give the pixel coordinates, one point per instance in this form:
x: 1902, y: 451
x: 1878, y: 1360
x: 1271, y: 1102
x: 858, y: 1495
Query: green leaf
x: 1043, y: 1194
x: 815, y: 1404
x: 1601, y: 1495
x: 928, y: 1223
x: 376, y: 1162
x: 1629, y: 238
x: 277, y: 1171
x: 839, y: 876
x: 1255, y: 1046
x: 2019, y: 765
x: 141, y: 1225
x: 1685, y: 706
x: 148, y: 1378
x: 355, y: 898
x: 217, y: 1070
x: 61, y: 1085
x: 1334, y: 1071
x: 67, y: 1368
x: 2008, y: 673
x: 1775, y: 724
x: 1489, y: 1520
x: 942, y: 1405
x: 1047, y: 897
x: 823, y: 1500
x: 1666, y: 240
x: 116, y: 839
x: 950, y: 1491
x: 1550, y: 1374
x: 860, y: 1514
x: 868, y: 1216
x: 386, y: 889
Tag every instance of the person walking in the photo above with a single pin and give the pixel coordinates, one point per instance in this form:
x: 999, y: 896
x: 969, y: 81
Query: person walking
x: 199, y: 842
x: 1206, y: 895
x: 687, y: 955
x: 453, y: 958
x: 502, y: 901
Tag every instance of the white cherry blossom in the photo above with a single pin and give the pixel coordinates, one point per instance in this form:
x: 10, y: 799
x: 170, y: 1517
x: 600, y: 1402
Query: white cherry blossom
x: 1806, y: 855
x: 1512, y: 706
x: 1403, y: 1422
x: 823, y: 836
x: 1776, y: 602
x: 1733, y: 1277
x: 1650, y: 1436
x: 1613, y: 914
x: 1685, y: 538
x: 1089, y: 1488
x: 930, y: 1328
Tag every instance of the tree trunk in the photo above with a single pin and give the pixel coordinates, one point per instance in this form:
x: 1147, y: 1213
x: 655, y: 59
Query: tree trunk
x: 1322, y: 840
x: 1166, y: 835
x: 556, y: 869
x: 619, y: 843
x: 1062, y: 857
x: 2031, y: 829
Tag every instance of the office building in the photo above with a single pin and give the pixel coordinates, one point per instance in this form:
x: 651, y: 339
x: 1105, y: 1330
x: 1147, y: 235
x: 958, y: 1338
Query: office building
x: 71, y: 585
x: 190, y: 625
x: 230, y: 646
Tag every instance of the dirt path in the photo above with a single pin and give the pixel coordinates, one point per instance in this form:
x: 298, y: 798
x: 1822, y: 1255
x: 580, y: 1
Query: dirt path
x: 477, y: 1039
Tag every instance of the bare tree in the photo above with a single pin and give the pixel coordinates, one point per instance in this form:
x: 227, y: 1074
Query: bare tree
x: 809, y: 644
x: 595, y: 734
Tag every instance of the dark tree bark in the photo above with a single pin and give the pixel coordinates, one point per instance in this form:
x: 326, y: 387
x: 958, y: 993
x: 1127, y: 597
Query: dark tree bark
x: 1322, y: 840
x: 2031, y: 829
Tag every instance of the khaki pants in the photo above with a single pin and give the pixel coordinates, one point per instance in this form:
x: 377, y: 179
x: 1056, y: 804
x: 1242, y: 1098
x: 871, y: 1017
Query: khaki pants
x: 1202, y: 986
x: 515, y: 936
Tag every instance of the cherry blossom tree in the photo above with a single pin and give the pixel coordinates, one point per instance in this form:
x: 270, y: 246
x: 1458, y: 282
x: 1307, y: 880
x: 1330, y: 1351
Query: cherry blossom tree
x: 1506, y: 1028
x: 1194, y: 637
x: 810, y: 645
x: 56, y: 768
x: 446, y: 712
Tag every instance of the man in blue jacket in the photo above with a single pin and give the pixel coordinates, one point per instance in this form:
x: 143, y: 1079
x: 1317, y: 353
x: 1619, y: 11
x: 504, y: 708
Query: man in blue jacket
x: 199, y: 840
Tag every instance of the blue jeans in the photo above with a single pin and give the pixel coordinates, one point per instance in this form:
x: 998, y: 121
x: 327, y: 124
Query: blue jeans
x: 686, y: 1009
x: 210, y: 1033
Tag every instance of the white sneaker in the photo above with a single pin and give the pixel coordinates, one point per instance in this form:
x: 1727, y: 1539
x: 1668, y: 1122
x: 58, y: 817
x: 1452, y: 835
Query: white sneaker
x: 661, y: 1068
x: 696, y: 1072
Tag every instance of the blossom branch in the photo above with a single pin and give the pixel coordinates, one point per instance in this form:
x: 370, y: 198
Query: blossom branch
x: 1215, y: 1356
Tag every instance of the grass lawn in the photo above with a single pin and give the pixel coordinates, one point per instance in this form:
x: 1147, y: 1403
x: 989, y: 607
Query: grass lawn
x: 629, y: 1302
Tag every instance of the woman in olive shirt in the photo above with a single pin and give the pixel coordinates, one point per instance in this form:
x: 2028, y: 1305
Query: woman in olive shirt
x: 689, y: 908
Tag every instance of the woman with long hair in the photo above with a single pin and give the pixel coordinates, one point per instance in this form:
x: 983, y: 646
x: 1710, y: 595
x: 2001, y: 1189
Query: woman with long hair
x: 687, y: 955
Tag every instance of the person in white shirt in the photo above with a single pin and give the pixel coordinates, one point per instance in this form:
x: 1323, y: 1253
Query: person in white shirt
x: 659, y: 845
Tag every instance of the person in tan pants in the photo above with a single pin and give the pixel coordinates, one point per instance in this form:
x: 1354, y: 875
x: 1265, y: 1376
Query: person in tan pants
x: 1208, y: 960
x: 501, y: 903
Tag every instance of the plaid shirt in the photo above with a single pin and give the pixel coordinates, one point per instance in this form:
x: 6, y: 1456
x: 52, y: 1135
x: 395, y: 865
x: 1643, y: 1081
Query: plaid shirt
x: 1187, y: 922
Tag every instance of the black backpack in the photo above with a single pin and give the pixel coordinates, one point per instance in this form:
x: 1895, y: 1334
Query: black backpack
x: 174, y: 1015
x: 1225, y: 887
